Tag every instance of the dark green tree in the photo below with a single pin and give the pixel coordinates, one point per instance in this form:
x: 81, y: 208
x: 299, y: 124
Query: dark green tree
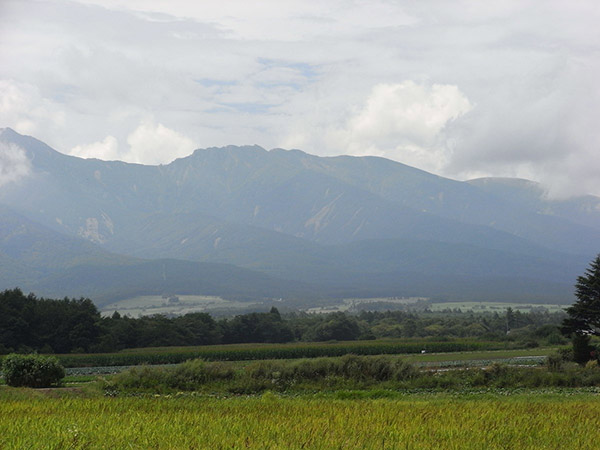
x: 336, y: 326
x: 584, y: 315
x: 201, y: 327
x: 257, y: 327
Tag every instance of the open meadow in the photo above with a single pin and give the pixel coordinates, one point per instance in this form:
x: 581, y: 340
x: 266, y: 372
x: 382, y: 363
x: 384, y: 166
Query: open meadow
x: 499, y: 307
x: 173, y: 304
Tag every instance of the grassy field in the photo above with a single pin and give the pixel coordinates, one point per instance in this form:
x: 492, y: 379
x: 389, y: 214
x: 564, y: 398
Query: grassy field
x: 51, y: 420
x: 420, y: 303
x: 495, y: 306
x: 478, y: 355
x: 349, y: 304
x: 180, y: 304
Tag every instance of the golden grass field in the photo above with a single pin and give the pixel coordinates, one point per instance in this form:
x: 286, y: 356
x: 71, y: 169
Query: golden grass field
x: 477, y: 421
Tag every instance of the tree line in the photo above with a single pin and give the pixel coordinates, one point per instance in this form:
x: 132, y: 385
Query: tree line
x: 29, y: 323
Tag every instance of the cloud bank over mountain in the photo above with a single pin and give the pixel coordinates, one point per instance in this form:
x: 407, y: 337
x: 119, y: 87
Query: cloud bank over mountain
x: 14, y: 163
x: 464, y: 89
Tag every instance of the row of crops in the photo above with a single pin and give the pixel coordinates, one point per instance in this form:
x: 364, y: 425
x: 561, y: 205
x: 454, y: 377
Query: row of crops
x: 247, y: 352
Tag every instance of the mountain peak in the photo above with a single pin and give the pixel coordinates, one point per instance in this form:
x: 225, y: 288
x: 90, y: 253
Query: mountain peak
x: 293, y: 151
x: 8, y: 132
x: 521, y: 182
x: 230, y: 149
x: 519, y: 186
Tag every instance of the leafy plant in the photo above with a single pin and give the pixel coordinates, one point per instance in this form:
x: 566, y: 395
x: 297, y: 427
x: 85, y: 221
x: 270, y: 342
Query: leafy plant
x: 33, y: 370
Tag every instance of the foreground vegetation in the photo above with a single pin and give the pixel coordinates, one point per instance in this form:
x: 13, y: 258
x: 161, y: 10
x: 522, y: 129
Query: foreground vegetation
x: 347, y: 372
x: 35, y: 371
x: 465, y: 421
x: 351, y: 401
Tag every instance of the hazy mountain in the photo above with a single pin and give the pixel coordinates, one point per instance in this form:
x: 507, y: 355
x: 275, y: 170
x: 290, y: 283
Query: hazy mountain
x: 49, y: 263
x: 343, y: 224
x: 531, y: 196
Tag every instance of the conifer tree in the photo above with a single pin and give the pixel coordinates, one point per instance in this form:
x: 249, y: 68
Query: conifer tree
x: 584, y: 314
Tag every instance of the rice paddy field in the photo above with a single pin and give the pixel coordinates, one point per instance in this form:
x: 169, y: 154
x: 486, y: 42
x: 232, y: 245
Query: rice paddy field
x: 311, y: 414
x: 558, y: 419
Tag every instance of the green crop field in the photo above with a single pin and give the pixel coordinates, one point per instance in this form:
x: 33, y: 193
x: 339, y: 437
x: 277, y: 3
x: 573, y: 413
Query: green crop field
x: 38, y: 420
x: 238, y: 352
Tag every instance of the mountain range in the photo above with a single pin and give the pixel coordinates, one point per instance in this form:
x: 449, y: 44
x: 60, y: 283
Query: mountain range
x: 245, y: 222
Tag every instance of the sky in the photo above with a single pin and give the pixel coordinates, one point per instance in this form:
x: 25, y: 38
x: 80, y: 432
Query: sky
x: 463, y: 89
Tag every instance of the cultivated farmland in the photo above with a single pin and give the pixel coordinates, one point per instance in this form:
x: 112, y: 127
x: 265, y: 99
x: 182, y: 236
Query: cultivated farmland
x: 558, y: 420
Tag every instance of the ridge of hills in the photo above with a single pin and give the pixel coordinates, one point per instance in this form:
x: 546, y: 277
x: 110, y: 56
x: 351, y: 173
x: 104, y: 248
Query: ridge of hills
x: 303, y: 226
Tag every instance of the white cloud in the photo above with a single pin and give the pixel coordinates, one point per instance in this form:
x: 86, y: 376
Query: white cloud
x: 403, y: 121
x: 107, y: 149
x: 301, y: 73
x: 14, y: 164
x: 266, y: 20
x: 148, y: 143
x: 541, y: 126
x: 156, y: 144
x: 24, y: 109
x: 397, y: 115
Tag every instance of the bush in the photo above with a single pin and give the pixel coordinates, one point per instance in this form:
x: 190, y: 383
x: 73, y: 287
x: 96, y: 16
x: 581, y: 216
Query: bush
x: 351, y: 367
x: 592, y: 365
x: 582, y: 349
x: 554, y: 362
x: 188, y: 376
x: 33, y: 370
x: 196, y: 372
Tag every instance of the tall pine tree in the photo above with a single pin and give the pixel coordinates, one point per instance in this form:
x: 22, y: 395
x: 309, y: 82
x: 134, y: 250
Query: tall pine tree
x: 584, y: 314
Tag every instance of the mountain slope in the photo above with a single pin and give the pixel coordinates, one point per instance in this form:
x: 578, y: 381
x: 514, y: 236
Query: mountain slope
x: 584, y: 210
x: 38, y: 259
x: 276, y: 191
x: 338, y: 224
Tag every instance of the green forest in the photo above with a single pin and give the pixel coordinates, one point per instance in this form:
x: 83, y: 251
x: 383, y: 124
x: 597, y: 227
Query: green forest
x: 29, y: 323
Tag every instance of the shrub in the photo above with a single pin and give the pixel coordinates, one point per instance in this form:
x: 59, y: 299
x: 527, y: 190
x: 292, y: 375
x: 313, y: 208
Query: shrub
x: 188, y: 376
x: 592, y: 364
x: 582, y: 349
x: 566, y: 354
x: 144, y: 378
x: 378, y: 368
x: 351, y: 367
x: 33, y: 370
x: 196, y: 372
x: 554, y: 362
